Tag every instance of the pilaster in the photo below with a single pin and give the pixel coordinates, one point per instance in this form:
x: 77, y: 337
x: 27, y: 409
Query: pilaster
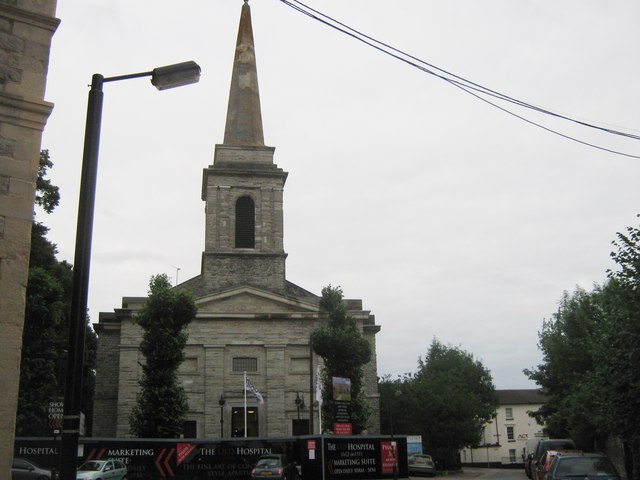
x: 275, y: 378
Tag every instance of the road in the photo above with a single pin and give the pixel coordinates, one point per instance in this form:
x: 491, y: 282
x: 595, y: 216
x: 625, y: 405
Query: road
x: 483, y: 474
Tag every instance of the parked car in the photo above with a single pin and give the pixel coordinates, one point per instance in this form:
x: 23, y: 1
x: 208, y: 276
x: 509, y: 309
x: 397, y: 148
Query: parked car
x: 420, y: 463
x: 24, y: 469
x: 538, y: 470
x: 583, y: 466
x: 102, y: 470
x: 277, y: 467
x: 545, y: 464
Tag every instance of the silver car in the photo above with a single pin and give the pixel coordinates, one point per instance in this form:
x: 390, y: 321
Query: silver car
x: 24, y: 469
x: 420, y: 463
x: 102, y: 470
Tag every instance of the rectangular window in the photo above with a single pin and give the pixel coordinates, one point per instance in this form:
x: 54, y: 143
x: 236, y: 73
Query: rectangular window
x: 245, y: 364
x: 300, y: 426
x: 190, y: 429
x: 512, y: 455
x: 511, y: 436
x: 508, y: 413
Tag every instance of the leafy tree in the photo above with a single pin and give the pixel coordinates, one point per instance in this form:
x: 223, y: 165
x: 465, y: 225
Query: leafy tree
x: 397, y: 399
x: 459, y: 393
x: 162, y: 403
x: 618, y: 355
x: 46, y: 324
x: 591, y: 359
x: 345, y: 352
x: 567, y: 373
x: 44, y: 317
x: 447, y: 401
x: 47, y: 194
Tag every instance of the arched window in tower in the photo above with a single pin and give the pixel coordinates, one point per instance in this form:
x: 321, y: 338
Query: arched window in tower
x: 245, y: 223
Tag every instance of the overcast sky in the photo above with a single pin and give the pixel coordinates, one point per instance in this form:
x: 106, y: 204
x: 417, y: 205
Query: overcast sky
x: 449, y: 218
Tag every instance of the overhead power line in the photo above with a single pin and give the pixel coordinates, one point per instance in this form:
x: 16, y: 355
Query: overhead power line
x: 478, y: 91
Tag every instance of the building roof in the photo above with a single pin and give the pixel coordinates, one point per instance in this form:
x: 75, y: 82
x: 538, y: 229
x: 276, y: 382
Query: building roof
x: 520, y: 397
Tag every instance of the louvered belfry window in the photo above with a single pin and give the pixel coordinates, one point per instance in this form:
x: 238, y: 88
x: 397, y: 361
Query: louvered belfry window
x: 245, y: 223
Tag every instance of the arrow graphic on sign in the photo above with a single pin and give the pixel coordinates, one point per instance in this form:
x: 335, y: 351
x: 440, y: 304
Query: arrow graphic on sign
x: 159, y: 463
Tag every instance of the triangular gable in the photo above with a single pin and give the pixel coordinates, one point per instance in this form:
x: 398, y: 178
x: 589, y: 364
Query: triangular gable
x: 251, y: 300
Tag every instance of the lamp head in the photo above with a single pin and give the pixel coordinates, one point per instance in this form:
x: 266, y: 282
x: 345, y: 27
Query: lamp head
x: 175, y: 75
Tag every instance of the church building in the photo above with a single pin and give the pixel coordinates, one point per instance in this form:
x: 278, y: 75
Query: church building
x: 250, y: 317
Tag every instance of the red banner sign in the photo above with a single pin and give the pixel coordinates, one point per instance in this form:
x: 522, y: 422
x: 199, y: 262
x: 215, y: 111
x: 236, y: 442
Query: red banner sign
x: 389, y: 453
x: 342, y: 428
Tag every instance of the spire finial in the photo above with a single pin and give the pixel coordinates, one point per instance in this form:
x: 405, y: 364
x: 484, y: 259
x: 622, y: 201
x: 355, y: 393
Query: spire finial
x: 244, y: 118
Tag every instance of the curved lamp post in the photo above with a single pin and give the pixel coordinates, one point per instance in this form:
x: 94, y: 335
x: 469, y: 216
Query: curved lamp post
x: 221, y: 402
x: 162, y: 78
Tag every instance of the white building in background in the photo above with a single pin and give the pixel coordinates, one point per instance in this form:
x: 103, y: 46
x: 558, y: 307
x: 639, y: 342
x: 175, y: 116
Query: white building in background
x: 505, y: 437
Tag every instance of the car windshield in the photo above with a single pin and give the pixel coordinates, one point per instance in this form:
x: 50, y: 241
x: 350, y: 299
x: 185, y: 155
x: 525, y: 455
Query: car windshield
x: 422, y: 458
x: 21, y: 463
x: 267, y: 463
x: 582, y: 466
x: 90, y: 467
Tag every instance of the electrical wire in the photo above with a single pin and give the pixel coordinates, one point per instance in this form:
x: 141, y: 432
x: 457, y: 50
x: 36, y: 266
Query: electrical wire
x: 472, y: 88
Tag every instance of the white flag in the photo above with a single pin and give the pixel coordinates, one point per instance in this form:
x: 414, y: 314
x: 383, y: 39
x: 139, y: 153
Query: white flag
x: 248, y: 386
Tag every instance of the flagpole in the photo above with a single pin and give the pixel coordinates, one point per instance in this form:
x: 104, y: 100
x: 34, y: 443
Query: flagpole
x: 245, y: 404
x: 319, y: 398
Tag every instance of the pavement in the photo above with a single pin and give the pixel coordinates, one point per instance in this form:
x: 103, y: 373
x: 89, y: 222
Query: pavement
x: 469, y: 473
x: 466, y: 473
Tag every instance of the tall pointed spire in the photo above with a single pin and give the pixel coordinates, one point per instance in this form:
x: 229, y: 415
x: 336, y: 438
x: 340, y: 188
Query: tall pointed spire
x: 244, y: 119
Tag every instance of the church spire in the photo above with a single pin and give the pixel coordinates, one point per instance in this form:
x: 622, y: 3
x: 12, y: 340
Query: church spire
x: 244, y: 119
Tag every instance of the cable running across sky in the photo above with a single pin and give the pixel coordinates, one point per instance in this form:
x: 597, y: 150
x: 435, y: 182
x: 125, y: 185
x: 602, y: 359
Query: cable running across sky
x: 467, y: 86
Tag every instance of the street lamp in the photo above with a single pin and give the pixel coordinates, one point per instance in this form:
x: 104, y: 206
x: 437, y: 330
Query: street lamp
x: 299, y: 403
x: 162, y: 78
x: 221, y: 402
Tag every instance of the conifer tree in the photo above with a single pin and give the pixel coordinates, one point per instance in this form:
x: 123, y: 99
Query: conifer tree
x: 345, y: 352
x: 162, y: 403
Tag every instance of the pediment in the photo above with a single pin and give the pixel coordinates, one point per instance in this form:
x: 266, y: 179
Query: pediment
x: 251, y: 300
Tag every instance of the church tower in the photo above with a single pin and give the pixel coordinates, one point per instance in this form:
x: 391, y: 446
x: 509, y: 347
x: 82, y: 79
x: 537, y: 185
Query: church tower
x: 251, y: 320
x: 243, y: 188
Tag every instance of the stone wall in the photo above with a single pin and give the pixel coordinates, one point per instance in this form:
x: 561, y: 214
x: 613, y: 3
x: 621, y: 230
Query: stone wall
x: 105, y: 406
x: 279, y: 341
x: 26, y: 28
x: 264, y: 271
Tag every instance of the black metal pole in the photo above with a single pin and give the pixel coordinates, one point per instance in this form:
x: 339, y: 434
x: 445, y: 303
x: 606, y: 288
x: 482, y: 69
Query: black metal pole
x: 81, y: 264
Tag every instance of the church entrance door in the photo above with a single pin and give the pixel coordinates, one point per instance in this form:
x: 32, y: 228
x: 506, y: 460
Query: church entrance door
x: 237, y: 422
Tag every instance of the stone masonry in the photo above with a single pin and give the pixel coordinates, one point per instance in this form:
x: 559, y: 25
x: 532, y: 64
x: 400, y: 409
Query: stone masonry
x: 26, y: 28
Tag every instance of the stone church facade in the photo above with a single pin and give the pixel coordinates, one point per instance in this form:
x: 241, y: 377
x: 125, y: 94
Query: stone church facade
x: 250, y: 317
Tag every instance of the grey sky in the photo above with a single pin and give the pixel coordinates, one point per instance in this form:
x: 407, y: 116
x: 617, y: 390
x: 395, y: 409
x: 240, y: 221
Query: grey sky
x: 446, y: 216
